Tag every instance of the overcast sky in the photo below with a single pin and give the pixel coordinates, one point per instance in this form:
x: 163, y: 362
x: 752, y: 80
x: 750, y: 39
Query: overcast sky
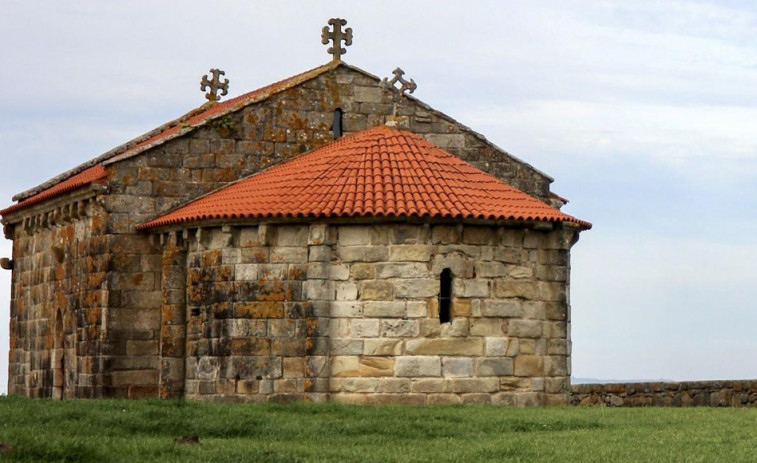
x: 644, y: 112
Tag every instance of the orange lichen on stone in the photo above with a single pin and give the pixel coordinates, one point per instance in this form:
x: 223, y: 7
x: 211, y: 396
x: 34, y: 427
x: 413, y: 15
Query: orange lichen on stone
x: 211, y: 258
x: 266, y: 309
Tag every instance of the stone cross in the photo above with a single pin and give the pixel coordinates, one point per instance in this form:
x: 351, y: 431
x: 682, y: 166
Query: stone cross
x: 215, y: 84
x: 406, y: 86
x: 337, y: 36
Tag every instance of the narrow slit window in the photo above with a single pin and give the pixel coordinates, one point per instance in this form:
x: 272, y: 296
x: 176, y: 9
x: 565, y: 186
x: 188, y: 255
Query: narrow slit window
x: 336, y: 124
x: 445, y: 296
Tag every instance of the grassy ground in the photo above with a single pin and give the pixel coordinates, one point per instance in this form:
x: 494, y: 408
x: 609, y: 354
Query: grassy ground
x: 131, y: 431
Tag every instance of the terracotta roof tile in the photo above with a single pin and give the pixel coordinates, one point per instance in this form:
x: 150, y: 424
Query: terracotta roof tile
x: 376, y: 172
x: 79, y: 180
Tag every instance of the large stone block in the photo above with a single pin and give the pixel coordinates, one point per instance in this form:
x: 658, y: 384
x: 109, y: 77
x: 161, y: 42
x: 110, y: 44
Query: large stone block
x: 453, y: 367
x: 319, y: 253
x: 461, y: 307
x: 402, y: 270
x: 529, y: 365
x: 515, y: 288
x: 471, y: 385
x: 417, y: 366
x: 362, y: 271
x: 505, y: 308
x: 552, y: 291
x: 263, y: 309
x: 376, y: 366
x: 395, y: 385
x: 407, y: 234
x: 471, y: 288
x: 417, y: 309
x: 289, y: 254
x: 410, y: 253
x: 499, y: 366
x: 371, y: 94
x: 346, y: 291
x: 345, y: 366
x: 487, y: 327
x: 431, y: 385
x: 458, y: 327
x: 382, y: 346
x: 495, y: 346
x: 319, y: 290
x: 355, y: 385
x: 490, y: 269
x: 399, y: 328
x: 445, y: 346
x: 447, y: 140
x: 385, y: 309
x: 376, y: 290
x: 416, y: 288
x: 365, y: 328
x: 246, y: 272
x: 519, y: 273
x: 346, y: 309
x: 292, y: 235
x: 251, y: 346
x: 360, y: 235
x: 525, y: 328
x: 558, y: 347
x: 556, y: 365
x: 362, y: 253
x: 320, y: 234
x: 346, y: 346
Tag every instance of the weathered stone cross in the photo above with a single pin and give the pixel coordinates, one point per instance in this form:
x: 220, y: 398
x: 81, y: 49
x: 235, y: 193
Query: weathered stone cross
x: 406, y: 86
x: 215, y: 84
x: 337, y: 36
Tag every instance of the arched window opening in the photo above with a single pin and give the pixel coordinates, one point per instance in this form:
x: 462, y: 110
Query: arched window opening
x: 336, y: 124
x: 445, y: 296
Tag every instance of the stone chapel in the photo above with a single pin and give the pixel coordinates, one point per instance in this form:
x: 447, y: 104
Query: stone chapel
x: 328, y: 237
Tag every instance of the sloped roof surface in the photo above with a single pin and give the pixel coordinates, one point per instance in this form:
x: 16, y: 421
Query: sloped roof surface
x: 376, y: 172
x: 84, y: 178
x: 167, y: 132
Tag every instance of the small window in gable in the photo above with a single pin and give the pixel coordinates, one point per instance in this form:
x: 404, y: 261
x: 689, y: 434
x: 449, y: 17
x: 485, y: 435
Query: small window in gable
x: 336, y: 124
x: 445, y: 296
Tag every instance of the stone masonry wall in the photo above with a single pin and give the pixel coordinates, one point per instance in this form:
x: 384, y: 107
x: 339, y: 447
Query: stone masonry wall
x: 143, y: 187
x: 252, y: 332
x: 508, y: 340
x: 58, y: 303
x: 350, y: 313
x: 737, y: 393
x: 258, y: 136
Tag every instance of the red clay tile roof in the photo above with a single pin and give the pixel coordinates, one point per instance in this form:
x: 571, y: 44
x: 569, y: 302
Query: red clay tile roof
x: 79, y: 180
x: 173, y: 129
x: 376, y: 172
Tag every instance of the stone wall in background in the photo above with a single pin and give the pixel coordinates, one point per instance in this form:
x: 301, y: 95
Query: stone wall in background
x: 727, y: 393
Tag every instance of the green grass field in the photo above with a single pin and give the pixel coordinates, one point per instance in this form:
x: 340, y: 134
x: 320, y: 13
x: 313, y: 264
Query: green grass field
x: 137, y: 431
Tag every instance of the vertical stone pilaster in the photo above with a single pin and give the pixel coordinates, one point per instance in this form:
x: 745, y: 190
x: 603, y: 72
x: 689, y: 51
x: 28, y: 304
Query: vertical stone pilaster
x: 317, y: 355
x: 173, y: 317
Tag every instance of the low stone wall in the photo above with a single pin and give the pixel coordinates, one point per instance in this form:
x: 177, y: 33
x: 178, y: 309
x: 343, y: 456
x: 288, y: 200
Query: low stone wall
x: 726, y: 393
